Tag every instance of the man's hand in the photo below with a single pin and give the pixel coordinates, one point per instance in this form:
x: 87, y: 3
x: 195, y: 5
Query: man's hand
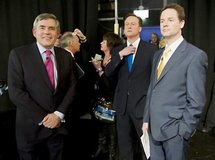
x: 80, y: 35
x: 145, y: 127
x: 51, y: 121
x: 126, y: 51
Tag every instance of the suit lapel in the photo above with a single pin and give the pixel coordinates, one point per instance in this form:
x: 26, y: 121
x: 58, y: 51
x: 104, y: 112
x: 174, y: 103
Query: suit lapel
x: 135, y: 58
x: 155, y: 65
x: 126, y: 60
x: 174, y: 59
x: 58, y: 65
x: 138, y: 57
x: 40, y: 66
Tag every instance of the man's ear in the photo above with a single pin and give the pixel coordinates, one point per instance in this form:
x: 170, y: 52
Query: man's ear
x: 182, y: 23
x: 34, y: 32
x: 140, y: 29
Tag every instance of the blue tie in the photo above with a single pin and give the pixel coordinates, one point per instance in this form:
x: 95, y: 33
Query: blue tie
x: 130, y: 60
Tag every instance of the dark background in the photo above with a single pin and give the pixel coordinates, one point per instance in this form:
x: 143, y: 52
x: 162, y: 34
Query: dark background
x: 17, y: 18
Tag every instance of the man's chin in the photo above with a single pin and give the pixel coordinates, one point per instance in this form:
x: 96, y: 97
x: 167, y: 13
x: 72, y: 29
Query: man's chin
x: 48, y: 45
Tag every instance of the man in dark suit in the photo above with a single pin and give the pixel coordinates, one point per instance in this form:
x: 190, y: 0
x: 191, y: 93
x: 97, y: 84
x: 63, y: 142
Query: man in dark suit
x: 40, y: 106
x: 176, y: 95
x: 130, y: 93
x: 70, y: 42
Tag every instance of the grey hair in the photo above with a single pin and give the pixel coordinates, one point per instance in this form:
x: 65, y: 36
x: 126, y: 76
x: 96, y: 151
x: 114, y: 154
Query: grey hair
x: 66, y: 39
x: 44, y: 16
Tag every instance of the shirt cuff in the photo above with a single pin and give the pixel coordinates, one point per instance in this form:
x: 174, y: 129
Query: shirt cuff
x: 60, y: 115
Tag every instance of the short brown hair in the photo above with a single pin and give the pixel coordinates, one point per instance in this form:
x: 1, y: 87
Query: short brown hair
x: 112, y: 39
x: 133, y: 15
x: 179, y: 9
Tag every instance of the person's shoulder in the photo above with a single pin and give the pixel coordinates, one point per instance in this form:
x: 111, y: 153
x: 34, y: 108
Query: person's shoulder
x: 192, y: 48
x: 119, y: 47
x: 61, y: 50
x: 26, y: 46
x: 146, y: 43
x: 62, y: 53
x: 149, y: 45
x: 194, y: 51
x: 23, y: 49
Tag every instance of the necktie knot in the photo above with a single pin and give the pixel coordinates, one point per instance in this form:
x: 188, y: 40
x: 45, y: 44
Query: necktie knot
x: 163, y: 61
x: 48, y: 53
x: 166, y: 52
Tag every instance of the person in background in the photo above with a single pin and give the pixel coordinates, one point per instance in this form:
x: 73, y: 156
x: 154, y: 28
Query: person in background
x: 57, y: 42
x: 77, y: 32
x: 70, y: 42
x: 133, y: 81
x: 162, y: 43
x: 105, y: 89
x: 176, y: 95
x: 42, y: 85
x: 154, y: 39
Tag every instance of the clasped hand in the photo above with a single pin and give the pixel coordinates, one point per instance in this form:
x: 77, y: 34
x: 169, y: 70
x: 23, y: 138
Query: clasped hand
x: 51, y: 121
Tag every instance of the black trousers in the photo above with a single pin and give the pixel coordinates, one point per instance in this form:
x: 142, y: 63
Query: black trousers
x: 47, y: 149
x: 8, y: 149
x: 129, y: 132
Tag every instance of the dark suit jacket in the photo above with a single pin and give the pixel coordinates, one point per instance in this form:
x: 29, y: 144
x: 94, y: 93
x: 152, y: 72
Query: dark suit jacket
x: 175, y: 101
x: 131, y: 87
x: 31, y: 92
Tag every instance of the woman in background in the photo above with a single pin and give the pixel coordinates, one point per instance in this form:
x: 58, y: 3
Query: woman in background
x: 105, y: 88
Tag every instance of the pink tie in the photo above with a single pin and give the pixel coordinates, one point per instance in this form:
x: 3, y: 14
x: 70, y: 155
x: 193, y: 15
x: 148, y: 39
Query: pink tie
x: 50, y: 67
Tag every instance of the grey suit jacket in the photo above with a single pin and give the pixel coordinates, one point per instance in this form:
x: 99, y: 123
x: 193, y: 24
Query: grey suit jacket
x: 31, y: 92
x: 175, y: 101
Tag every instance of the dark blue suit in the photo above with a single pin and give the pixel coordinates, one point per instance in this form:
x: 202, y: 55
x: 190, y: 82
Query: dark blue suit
x: 130, y: 93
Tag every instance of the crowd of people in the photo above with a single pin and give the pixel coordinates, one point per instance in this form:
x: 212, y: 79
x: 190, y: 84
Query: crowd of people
x: 156, y: 87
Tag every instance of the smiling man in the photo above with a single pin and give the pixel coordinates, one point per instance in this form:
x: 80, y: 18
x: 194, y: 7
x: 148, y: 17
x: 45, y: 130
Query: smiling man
x: 42, y: 86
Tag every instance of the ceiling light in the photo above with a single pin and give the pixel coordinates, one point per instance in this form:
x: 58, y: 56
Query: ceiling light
x: 141, y: 12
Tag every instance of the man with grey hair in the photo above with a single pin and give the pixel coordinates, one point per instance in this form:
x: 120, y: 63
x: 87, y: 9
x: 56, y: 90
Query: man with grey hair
x: 42, y: 85
x: 70, y: 42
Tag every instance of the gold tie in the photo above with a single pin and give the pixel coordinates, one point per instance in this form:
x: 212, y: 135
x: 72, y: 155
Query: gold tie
x: 163, y: 62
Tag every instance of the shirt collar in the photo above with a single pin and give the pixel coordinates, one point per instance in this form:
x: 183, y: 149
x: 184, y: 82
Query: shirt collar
x: 70, y: 52
x: 135, y: 43
x: 175, y: 44
x: 42, y: 49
